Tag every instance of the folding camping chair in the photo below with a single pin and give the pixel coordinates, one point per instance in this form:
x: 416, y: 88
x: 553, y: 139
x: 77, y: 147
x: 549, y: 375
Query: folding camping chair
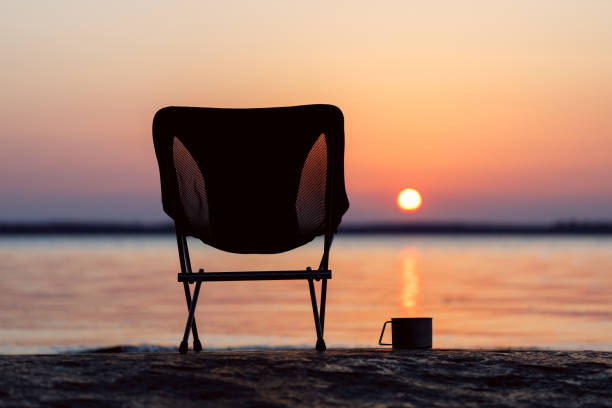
x: 287, y: 162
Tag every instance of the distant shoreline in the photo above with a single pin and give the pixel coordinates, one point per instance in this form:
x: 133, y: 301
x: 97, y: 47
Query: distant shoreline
x: 425, y: 228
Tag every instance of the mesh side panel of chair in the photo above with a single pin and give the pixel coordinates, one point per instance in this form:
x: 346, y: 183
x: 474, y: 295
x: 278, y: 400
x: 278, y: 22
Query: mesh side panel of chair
x: 310, y: 201
x: 192, y: 188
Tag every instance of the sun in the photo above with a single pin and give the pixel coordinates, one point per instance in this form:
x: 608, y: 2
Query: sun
x: 409, y: 199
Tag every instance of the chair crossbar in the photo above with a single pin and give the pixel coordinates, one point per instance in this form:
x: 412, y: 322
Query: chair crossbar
x: 254, y: 276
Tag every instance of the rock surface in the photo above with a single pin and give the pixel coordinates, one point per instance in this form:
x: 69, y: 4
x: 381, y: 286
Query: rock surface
x: 288, y: 378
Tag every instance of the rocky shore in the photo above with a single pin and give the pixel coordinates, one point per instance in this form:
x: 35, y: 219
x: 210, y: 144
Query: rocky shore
x: 289, y: 378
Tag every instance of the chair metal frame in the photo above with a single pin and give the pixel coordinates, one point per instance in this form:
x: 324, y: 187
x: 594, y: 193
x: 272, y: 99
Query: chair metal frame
x: 187, y: 276
x: 323, y: 273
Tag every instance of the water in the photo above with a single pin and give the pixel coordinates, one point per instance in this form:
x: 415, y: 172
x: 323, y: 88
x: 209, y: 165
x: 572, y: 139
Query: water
x: 73, y: 293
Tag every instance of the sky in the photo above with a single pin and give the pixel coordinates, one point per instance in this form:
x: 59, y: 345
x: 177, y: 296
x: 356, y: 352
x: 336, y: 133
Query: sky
x: 495, y: 111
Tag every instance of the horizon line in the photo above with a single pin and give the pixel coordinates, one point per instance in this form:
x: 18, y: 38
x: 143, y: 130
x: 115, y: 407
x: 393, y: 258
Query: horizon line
x: 561, y: 227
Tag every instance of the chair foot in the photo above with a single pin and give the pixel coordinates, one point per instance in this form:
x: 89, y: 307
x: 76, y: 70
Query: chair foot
x: 183, y: 347
x: 197, y: 346
x: 321, y: 345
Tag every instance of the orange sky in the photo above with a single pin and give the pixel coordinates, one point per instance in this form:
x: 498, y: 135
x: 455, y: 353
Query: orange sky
x: 493, y: 110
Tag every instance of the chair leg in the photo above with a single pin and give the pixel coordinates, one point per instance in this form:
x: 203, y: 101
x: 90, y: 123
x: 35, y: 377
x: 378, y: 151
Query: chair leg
x: 183, y: 347
x: 323, y: 299
x: 313, y: 298
x: 197, y: 345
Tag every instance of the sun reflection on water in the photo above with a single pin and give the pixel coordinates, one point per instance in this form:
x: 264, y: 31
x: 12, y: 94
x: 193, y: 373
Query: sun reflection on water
x: 409, y: 281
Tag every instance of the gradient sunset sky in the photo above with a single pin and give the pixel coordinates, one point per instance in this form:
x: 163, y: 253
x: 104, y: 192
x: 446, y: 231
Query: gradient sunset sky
x: 494, y: 110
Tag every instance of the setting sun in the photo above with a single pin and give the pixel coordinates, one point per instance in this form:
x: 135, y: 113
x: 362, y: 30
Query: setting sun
x: 409, y: 199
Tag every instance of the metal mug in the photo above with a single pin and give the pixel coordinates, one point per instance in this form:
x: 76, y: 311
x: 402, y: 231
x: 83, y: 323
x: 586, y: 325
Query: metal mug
x: 409, y: 333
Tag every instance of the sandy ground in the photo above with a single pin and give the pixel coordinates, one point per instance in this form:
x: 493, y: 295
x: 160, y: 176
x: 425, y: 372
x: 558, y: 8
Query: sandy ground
x: 288, y: 378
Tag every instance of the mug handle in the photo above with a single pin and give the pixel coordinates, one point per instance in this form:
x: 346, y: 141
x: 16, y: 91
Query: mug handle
x: 380, y: 343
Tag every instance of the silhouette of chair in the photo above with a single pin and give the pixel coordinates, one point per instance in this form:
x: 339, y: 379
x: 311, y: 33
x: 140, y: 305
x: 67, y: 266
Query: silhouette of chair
x: 262, y: 180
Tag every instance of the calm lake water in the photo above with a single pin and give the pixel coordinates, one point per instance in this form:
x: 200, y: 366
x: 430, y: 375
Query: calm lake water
x: 69, y: 293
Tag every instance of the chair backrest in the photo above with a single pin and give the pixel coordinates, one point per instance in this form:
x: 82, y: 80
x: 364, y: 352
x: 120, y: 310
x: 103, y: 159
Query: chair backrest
x: 252, y: 180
